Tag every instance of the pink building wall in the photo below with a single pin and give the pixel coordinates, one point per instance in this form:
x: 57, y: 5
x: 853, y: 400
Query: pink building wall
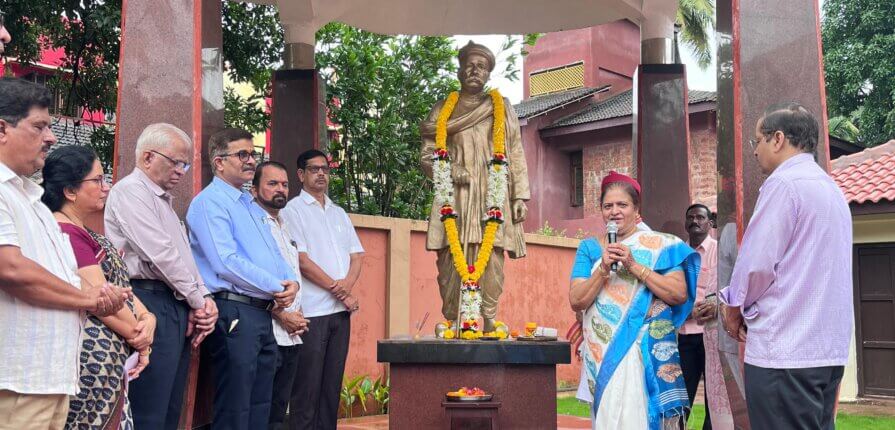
x: 610, y: 52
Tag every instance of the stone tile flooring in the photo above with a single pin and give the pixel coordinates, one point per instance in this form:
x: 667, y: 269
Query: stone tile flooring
x: 563, y: 422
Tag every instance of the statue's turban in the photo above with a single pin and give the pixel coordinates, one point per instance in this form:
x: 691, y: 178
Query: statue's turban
x: 475, y: 48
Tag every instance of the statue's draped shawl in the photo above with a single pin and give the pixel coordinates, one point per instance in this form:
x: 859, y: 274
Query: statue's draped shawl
x: 469, y: 144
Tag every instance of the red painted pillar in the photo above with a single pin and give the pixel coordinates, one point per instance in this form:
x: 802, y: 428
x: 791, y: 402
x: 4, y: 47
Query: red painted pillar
x: 170, y: 71
x: 769, y: 51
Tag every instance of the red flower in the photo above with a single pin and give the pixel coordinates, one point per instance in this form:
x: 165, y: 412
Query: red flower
x: 471, y: 268
x: 500, y: 156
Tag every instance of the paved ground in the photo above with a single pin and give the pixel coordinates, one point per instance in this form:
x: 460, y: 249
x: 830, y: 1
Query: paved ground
x: 866, y: 407
x: 563, y: 422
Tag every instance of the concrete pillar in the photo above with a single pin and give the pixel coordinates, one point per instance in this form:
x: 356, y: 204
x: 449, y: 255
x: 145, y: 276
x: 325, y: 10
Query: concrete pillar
x: 170, y: 71
x: 297, y: 118
x: 662, y: 145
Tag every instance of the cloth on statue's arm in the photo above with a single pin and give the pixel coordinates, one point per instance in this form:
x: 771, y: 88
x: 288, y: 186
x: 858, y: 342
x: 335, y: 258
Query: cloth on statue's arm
x: 87, y: 250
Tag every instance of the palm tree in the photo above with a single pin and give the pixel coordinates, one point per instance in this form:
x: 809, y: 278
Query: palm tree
x: 697, y: 21
x: 843, y: 128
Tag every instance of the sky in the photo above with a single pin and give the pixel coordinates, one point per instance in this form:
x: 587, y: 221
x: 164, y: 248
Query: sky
x: 696, y: 79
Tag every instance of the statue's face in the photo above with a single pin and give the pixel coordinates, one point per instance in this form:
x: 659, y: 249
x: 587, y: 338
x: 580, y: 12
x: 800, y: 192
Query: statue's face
x: 474, y: 74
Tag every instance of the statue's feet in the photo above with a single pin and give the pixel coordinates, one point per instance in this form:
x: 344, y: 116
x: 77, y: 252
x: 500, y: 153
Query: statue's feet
x: 489, y: 325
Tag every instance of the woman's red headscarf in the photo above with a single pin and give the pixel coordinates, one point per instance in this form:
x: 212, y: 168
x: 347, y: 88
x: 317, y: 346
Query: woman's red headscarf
x: 614, y: 177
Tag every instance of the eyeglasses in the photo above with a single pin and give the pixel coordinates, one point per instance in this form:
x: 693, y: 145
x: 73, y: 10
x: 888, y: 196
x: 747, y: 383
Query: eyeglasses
x: 765, y: 137
x: 243, y: 155
x: 101, y: 180
x: 317, y: 169
x: 177, y: 164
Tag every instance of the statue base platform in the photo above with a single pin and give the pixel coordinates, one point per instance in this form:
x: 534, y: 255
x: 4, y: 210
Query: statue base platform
x: 520, y: 375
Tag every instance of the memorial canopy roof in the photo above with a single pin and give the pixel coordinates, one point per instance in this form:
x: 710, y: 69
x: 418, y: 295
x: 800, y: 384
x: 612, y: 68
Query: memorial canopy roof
x: 301, y: 18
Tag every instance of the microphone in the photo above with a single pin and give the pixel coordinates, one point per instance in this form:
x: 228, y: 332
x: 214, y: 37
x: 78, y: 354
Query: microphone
x: 612, y: 235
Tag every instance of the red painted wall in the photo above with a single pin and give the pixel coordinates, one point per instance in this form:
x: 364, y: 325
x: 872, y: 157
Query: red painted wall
x: 610, y: 53
x: 368, y: 324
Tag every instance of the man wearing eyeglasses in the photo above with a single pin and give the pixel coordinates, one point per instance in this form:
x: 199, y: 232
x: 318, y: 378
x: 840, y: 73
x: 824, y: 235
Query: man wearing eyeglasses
x: 792, y: 281
x: 330, y: 258
x: 248, y: 276
x: 141, y: 222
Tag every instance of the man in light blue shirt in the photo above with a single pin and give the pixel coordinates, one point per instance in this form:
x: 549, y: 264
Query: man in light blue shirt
x: 244, y: 270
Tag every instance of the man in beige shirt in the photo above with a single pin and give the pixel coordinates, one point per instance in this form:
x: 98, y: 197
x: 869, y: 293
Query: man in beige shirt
x: 141, y: 222
x: 42, y: 299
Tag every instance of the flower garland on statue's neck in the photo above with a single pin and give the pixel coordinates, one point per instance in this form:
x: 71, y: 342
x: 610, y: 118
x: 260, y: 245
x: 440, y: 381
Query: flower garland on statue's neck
x: 470, y: 297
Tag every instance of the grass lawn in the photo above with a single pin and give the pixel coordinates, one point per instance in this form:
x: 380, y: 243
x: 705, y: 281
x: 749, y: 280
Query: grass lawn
x: 571, y: 406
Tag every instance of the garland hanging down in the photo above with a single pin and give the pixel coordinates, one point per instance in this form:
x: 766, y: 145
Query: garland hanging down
x: 470, y: 297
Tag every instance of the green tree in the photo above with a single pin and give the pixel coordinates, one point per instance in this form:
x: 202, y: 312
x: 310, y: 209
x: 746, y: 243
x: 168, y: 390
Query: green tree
x: 843, y: 128
x: 697, y: 21
x: 87, y: 32
x: 859, y: 61
x: 379, y: 89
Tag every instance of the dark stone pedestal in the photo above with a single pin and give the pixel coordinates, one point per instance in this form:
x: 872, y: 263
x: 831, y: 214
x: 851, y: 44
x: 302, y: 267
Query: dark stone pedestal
x: 520, y: 375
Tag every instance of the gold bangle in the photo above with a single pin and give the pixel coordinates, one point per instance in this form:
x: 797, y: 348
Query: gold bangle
x: 647, y: 276
x: 147, y: 352
x: 603, y: 273
x: 643, y: 270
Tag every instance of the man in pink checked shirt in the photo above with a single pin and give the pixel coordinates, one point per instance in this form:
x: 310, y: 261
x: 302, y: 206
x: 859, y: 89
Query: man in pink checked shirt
x: 791, y: 288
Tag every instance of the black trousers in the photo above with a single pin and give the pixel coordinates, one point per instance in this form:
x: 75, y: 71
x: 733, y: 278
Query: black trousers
x: 692, y: 350
x: 243, y: 361
x: 783, y: 399
x: 157, y: 395
x: 321, y: 365
x: 287, y: 368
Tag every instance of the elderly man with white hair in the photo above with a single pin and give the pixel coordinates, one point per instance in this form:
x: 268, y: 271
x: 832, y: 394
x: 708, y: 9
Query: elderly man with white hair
x: 141, y: 222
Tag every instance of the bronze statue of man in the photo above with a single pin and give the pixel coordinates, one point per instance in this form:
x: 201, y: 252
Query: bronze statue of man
x: 469, y: 145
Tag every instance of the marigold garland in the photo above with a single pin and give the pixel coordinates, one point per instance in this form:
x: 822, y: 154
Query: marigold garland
x: 470, y: 274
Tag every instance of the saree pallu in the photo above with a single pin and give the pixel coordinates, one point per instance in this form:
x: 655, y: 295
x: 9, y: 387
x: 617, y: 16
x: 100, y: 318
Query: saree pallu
x: 101, y: 402
x: 631, y: 357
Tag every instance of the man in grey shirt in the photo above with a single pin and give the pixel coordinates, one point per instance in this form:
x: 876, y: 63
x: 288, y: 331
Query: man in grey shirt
x: 141, y: 222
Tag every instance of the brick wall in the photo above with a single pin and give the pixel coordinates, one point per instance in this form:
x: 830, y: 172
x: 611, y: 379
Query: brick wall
x: 598, y: 160
x: 703, y: 156
x: 617, y: 155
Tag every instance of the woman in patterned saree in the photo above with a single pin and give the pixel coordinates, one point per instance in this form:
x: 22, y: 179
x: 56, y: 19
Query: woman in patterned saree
x: 75, y: 189
x: 632, y: 315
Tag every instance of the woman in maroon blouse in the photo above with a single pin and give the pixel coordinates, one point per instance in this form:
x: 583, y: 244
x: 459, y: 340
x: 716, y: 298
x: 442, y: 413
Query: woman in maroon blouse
x: 75, y: 190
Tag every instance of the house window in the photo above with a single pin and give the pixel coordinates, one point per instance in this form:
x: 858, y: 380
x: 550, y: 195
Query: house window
x: 576, y: 180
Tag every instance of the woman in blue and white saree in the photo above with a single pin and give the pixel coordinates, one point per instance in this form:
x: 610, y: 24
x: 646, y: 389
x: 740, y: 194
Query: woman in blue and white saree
x: 632, y: 315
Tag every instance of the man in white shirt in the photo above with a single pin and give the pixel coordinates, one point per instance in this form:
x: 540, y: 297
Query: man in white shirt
x: 41, y: 299
x: 330, y: 256
x: 270, y: 186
